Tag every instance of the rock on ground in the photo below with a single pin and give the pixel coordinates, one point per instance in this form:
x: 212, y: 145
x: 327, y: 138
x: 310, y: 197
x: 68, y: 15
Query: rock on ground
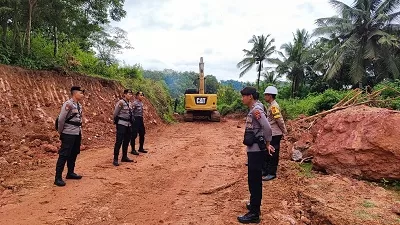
x: 360, y: 141
x: 49, y: 148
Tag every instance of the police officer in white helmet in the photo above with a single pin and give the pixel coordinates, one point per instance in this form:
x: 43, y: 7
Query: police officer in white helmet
x: 278, y: 127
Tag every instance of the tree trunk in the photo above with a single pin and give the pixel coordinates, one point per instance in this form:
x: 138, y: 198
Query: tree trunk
x: 293, y: 87
x: 259, y: 75
x: 17, y: 43
x: 32, y: 4
x: 4, y: 34
x: 55, y: 39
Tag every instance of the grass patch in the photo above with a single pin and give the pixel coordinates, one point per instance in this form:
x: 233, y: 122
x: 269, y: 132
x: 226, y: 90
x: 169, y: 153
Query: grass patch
x: 368, y: 204
x: 391, y: 185
x: 168, y: 118
x: 364, y: 215
x: 306, y: 170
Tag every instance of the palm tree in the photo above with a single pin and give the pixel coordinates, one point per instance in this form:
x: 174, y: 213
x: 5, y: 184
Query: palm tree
x: 367, y: 35
x: 259, y: 54
x: 271, y: 77
x: 296, y: 59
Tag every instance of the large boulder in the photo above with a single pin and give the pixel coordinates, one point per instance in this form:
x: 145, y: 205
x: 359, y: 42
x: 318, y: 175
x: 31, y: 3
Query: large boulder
x: 360, y: 141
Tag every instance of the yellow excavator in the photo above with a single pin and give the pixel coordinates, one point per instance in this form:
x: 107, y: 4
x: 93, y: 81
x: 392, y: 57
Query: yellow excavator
x: 199, y: 105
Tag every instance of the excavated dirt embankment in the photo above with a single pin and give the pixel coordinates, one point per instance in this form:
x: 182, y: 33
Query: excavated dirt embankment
x: 31, y: 100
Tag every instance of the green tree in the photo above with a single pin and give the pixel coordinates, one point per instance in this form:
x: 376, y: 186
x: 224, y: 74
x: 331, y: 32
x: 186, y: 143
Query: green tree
x: 296, y: 60
x: 271, y: 77
x: 108, y: 42
x: 73, y: 20
x: 5, y: 15
x: 31, y: 7
x: 210, y: 82
x: 177, y: 82
x: 368, y: 36
x: 260, y: 53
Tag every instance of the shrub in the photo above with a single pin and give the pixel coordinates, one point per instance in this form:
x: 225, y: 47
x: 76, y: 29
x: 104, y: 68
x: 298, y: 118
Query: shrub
x: 328, y: 99
x: 156, y: 93
x: 5, y: 55
x: 312, y: 104
x: 392, y: 91
x: 225, y: 109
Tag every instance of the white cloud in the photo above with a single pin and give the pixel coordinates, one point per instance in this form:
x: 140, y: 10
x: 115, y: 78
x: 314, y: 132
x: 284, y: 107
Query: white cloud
x: 174, y: 34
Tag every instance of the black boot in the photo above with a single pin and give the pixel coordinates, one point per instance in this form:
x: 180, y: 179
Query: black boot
x: 268, y: 177
x: 115, y: 162
x: 134, y: 152
x: 59, y: 170
x: 249, y: 218
x: 59, y: 181
x: 126, y: 159
x: 142, y: 151
x: 71, y: 168
x: 125, y: 155
x: 73, y: 176
x: 248, y: 206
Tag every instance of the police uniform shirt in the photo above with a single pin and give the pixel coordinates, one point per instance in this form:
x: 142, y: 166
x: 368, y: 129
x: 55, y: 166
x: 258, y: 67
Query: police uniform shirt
x: 121, y: 110
x: 275, y: 119
x: 259, y: 103
x: 70, y: 107
x: 260, y: 127
x: 138, y: 108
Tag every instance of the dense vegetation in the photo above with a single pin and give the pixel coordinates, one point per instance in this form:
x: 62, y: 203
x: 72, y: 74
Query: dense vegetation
x: 359, y: 47
x: 73, y: 35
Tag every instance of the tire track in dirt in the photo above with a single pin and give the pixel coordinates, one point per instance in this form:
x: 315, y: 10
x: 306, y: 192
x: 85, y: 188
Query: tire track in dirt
x: 165, y: 186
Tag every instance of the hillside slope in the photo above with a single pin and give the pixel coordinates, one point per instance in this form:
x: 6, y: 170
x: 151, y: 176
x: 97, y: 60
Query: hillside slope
x: 30, y: 102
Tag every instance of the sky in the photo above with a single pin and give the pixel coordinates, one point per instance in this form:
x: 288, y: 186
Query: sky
x: 174, y: 34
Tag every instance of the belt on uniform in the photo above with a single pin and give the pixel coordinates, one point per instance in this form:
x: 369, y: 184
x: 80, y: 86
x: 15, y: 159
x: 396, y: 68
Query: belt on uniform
x: 78, y: 124
x: 127, y: 120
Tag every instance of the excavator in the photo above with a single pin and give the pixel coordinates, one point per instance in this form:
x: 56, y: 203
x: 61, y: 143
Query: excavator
x: 199, y: 105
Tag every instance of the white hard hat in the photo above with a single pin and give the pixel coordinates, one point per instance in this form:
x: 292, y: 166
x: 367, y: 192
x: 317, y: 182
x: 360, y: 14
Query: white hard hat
x: 271, y: 90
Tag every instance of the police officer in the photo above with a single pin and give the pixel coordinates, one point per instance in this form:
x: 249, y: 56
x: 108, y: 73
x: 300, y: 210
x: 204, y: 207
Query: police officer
x: 278, y: 130
x: 69, y: 124
x: 123, y: 118
x: 257, y: 136
x: 138, y: 126
x: 258, y: 102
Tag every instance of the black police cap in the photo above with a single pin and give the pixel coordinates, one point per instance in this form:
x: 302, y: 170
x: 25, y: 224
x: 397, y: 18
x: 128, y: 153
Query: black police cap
x: 248, y: 91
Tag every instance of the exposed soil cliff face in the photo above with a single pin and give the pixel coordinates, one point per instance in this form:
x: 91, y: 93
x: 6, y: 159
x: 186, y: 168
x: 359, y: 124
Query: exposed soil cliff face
x: 31, y: 100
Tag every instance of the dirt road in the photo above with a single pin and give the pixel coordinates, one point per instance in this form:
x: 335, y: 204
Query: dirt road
x: 176, y: 183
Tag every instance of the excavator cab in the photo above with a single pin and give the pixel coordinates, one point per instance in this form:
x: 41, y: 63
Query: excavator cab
x: 199, y: 105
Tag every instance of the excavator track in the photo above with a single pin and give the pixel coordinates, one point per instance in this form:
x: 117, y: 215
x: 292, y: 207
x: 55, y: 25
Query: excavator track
x: 215, y: 116
x: 188, y: 117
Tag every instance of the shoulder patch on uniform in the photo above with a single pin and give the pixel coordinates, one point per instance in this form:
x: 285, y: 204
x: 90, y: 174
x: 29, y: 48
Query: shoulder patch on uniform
x: 277, y: 116
x: 68, y: 106
x: 121, y: 104
x: 275, y: 110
